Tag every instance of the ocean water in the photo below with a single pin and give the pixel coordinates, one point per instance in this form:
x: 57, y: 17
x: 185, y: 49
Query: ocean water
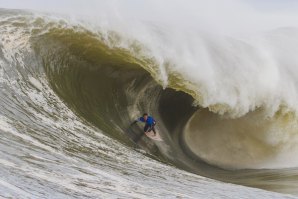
x: 221, y: 83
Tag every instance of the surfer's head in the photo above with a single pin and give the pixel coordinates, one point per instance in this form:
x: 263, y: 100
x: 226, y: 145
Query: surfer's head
x: 145, y: 116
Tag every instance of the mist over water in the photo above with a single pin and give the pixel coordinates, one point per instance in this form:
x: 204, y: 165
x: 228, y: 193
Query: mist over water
x: 219, y: 76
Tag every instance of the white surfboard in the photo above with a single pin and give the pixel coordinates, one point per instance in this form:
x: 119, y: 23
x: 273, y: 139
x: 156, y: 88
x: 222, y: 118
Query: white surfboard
x: 154, y: 137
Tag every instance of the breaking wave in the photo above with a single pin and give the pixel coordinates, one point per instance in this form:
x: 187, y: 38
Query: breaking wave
x: 223, y: 104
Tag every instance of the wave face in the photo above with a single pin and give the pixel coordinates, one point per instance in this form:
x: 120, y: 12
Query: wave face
x: 226, y: 108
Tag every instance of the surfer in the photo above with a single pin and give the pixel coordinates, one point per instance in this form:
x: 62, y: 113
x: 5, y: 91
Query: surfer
x: 149, y: 123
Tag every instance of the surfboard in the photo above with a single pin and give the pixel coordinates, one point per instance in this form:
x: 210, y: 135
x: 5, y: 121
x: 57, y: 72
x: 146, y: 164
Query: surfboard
x: 154, y: 137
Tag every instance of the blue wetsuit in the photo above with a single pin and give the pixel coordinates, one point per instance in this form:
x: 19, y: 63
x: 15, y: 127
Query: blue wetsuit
x: 150, y: 123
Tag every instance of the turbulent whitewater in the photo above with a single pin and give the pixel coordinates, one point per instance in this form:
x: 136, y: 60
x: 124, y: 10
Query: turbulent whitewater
x: 226, y: 103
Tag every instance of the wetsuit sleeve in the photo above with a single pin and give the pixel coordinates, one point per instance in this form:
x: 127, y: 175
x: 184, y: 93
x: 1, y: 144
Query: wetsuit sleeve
x: 137, y: 120
x: 141, y: 119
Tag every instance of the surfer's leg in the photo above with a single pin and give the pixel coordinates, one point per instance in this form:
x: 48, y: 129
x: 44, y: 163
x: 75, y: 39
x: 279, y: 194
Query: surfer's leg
x: 146, y: 128
x: 153, y: 129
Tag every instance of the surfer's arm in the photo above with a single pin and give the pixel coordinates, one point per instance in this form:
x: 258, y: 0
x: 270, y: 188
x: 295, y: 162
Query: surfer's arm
x: 134, y: 122
x: 154, y: 122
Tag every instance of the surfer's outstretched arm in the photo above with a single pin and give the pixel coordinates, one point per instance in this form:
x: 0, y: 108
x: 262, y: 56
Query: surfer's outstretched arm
x: 134, y: 122
x: 140, y: 119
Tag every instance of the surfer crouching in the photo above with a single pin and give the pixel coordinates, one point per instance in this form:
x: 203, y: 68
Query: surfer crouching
x: 149, y: 123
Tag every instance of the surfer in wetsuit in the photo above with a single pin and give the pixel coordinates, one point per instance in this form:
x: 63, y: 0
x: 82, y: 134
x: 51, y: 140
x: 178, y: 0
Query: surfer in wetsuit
x: 149, y: 123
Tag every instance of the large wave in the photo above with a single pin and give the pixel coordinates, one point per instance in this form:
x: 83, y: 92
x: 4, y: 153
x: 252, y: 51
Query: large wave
x: 245, y: 81
x: 87, y: 73
x: 221, y: 101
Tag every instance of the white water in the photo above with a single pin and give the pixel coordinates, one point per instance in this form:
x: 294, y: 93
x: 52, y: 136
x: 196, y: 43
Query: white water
x: 233, y: 54
x: 235, y: 57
